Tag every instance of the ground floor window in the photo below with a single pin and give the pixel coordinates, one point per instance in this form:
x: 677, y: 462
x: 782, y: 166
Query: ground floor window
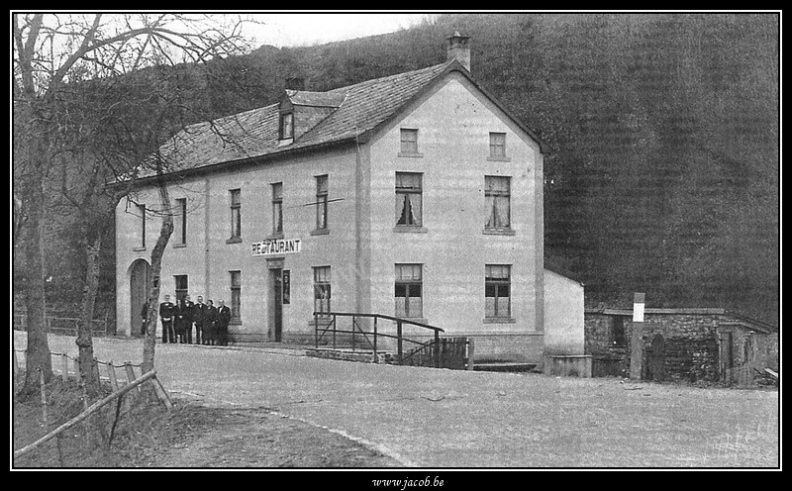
x: 497, y: 291
x: 182, y: 286
x: 409, y: 290
x: 322, y: 293
x: 236, y: 296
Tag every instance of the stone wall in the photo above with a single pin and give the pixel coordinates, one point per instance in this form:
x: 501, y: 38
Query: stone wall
x: 692, y: 345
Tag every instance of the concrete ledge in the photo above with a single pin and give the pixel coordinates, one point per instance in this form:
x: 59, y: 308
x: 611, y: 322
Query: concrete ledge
x: 568, y: 365
x: 349, y: 355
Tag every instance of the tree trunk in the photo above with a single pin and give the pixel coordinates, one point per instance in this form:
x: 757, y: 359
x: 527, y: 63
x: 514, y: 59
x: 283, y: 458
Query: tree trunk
x: 154, y: 280
x: 84, y: 335
x: 38, y: 352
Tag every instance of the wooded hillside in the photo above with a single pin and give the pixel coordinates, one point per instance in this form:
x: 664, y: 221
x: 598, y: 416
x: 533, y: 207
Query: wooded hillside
x: 663, y: 175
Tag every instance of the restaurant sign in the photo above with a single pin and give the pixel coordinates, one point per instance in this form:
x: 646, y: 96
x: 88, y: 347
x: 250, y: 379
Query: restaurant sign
x: 276, y: 247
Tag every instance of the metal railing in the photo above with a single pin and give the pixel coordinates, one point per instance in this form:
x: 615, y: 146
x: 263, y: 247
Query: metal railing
x: 330, y: 326
x: 63, y: 325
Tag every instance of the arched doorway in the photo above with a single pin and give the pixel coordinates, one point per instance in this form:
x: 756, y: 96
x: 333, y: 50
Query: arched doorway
x: 138, y: 279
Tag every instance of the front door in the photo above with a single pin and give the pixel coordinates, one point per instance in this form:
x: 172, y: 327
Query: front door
x: 276, y: 300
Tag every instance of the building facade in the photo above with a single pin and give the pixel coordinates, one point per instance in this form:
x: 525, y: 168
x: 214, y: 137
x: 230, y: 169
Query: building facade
x: 416, y: 195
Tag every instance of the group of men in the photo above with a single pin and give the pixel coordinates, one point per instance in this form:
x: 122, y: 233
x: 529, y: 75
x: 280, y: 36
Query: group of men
x: 211, y: 323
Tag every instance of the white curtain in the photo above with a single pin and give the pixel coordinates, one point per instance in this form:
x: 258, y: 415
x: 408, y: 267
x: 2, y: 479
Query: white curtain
x: 408, y: 209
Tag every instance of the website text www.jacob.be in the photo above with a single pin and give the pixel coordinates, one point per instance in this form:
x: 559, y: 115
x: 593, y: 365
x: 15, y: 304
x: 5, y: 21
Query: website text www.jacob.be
x: 403, y: 484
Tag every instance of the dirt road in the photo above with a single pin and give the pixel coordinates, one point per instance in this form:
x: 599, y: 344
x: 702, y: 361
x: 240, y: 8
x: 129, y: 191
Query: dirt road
x: 427, y: 417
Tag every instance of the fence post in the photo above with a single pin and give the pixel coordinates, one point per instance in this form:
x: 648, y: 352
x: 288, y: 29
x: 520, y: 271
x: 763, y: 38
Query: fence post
x: 163, y: 396
x: 354, y: 325
x: 334, y: 332
x: 376, y: 357
x: 44, y: 416
x: 399, y: 340
x: 65, y: 365
x: 437, y: 348
x: 471, y: 347
x: 316, y: 330
x: 130, y: 373
x: 95, y: 368
x: 111, y: 373
x: 77, y: 375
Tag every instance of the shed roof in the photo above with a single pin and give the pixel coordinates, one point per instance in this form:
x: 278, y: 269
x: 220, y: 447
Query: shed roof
x: 747, y: 322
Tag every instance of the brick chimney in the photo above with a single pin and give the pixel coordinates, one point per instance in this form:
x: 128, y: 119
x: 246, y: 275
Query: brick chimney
x: 295, y: 83
x: 458, y: 48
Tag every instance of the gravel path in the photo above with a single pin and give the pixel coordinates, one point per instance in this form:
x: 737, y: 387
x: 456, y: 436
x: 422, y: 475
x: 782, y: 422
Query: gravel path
x: 427, y: 417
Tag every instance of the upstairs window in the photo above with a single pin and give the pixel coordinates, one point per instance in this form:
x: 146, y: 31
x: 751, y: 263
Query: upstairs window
x: 277, y: 208
x: 142, y: 212
x: 321, y: 203
x: 236, y: 213
x: 409, y: 141
x: 287, y: 126
x: 180, y: 225
x: 497, y: 197
x: 409, y: 199
x: 497, y: 145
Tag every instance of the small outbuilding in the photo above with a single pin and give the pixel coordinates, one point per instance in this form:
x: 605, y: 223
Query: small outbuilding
x: 693, y: 344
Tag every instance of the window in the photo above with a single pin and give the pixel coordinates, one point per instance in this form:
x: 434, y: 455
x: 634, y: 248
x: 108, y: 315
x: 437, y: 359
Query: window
x: 236, y: 295
x: 409, y: 202
x: 497, y: 145
x: 409, y: 141
x: 181, y: 286
x: 497, y: 198
x: 180, y: 225
x: 497, y: 291
x: 321, y: 203
x: 142, y: 211
x: 236, y: 213
x: 408, y: 291
x: 322, y: 289
x: 277, y: 208
x: 287, y: 126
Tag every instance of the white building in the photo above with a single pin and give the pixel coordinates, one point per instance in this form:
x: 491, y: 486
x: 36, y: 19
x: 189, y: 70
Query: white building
x: 417, y: 195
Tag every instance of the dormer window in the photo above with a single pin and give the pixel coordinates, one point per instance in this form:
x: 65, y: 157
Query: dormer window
x: 287, y: 126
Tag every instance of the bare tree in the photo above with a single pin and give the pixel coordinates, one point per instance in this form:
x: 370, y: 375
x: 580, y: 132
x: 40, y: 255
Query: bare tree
x: 53, y: 53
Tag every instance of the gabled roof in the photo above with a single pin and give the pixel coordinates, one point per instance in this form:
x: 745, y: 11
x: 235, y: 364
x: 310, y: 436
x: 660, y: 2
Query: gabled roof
x: 361, y: 109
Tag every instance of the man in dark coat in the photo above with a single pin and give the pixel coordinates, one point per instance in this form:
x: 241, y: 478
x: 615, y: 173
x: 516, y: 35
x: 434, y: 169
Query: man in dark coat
x: 166, y: 312
x: 188, y: 308
x: 223, y: 318
x: 210, y: 328
x: 183, y: 320
x: 199, y: 317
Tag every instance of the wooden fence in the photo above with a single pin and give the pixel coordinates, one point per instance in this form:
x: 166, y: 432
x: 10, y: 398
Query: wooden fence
x: 68, y: 368
x: 62, y: 364
x: 455, y: 353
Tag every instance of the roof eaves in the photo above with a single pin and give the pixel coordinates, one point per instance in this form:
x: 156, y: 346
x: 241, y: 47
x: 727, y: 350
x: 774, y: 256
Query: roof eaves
x: 256, y: 159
